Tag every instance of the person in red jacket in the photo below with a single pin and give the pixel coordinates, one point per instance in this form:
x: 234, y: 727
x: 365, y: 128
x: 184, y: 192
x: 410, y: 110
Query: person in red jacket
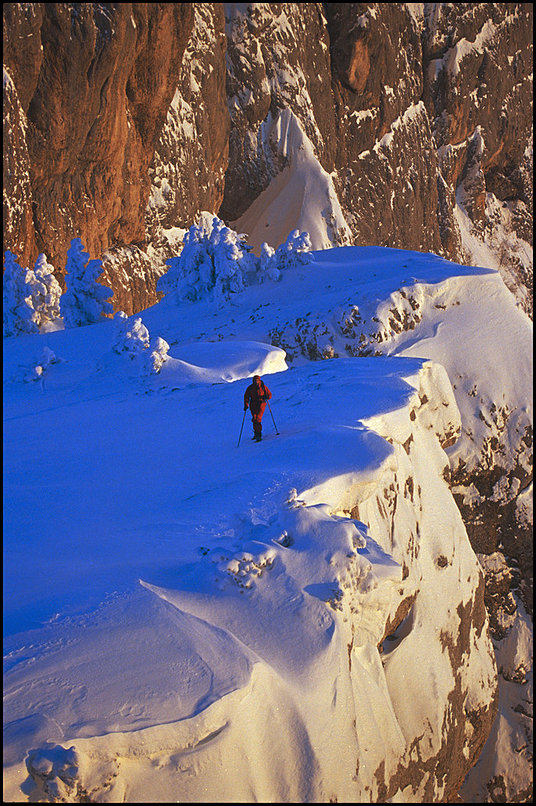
x: 255, y: 397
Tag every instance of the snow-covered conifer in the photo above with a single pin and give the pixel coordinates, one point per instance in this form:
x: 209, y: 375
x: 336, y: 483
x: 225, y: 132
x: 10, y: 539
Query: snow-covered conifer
x: 295, y: 251
x: 153, y: 358
x: 214, y: 262
x: 131, y: 337
x: 267, y: 267
x: 46, y: 292
x: 19, y: 315
x: 85, y: 300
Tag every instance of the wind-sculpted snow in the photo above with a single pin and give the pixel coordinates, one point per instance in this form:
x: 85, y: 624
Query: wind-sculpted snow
x: 303, y: 593
x: 300, y: 620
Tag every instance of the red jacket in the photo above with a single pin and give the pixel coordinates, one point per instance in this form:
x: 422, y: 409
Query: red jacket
x: 256, y: 397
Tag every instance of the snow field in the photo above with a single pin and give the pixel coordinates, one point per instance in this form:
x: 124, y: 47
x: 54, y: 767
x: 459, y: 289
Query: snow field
x: 255, y: 661
x: 280, y: 601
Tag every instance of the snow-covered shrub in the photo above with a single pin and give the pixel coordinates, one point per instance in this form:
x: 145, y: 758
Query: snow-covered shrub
x: 328, y: 352
x: 85, y: 300
x: 35, y: 368
x: 46, y: 292
x: 155, y: 356
x: 36, y: 372
x: 214, y: 262
x: 295, y: 251
x: 350, y: 321
x: 130, y: 337
x: 48, y: 357
x: 267, y: 266
x: 19, y: 314
x: 119, y: 320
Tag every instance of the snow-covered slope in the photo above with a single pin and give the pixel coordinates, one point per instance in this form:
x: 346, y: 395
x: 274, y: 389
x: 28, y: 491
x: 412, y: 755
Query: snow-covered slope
x: 296, y: 621
x: 302, y: 196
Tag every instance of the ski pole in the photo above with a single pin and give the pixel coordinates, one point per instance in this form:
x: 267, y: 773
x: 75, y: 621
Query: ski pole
x: 240, y: 437
x: 275, y: 426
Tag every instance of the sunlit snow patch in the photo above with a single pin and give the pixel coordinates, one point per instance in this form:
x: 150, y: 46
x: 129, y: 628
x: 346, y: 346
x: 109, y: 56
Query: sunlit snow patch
x: 217, y: 362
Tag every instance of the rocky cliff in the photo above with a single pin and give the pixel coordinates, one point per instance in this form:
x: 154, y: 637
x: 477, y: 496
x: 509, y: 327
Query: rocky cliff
x: 122, y: 122
x: 87, y: 88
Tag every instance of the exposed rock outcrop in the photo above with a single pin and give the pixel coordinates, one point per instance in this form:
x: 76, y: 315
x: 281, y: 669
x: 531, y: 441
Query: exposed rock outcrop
x: 420, y: 116
x: 477, y: 68
x: 94, y: 84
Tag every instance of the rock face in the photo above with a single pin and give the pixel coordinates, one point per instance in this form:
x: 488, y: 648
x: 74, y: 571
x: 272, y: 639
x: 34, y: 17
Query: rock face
x: 278, y: 58
x: 387, y: 145
x: 188, y: 168
x: 94, y: 84
x: 477, y: 63
x: 124, y: 122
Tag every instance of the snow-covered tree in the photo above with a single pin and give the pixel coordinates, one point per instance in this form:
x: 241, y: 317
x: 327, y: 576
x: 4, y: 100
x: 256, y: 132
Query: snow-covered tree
x: 85, y: 300
x: 131, y: 337
x: 46, y: 292
x: 37, y: 371
x: 214, y: 262
x: 267, y: 266
x: 31, y: 297
x: 19, y: 314
x: 155, y: 356
x: 295, y: 251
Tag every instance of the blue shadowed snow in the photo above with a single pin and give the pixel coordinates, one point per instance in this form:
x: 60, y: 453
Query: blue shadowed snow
x: 125, y: 485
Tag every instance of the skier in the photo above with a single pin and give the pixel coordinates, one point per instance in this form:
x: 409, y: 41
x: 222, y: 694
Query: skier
x: 256, y: 396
